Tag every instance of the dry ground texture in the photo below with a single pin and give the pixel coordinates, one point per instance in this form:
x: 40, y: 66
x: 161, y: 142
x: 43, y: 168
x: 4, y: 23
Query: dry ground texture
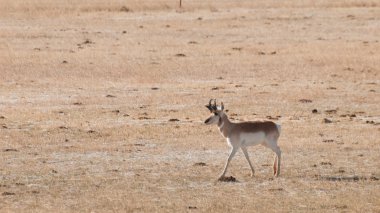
x: 102, y: 105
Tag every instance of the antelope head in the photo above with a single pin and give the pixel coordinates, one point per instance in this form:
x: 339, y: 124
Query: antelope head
x: 216, y: 112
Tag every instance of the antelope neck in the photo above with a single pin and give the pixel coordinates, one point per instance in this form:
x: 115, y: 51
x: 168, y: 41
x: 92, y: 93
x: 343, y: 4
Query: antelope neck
x: 222, y: 124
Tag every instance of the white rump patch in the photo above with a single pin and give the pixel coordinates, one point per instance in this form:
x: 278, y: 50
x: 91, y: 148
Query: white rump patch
x: 278, y: 128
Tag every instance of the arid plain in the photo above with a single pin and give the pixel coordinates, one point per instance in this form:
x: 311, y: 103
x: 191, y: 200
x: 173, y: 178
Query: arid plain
x: 102, y: 105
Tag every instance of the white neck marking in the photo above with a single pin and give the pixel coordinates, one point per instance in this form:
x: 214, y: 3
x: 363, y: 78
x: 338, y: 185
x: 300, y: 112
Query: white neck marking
x: 221, y: 126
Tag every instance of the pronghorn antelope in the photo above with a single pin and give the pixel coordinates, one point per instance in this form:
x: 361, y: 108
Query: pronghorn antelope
x: 244, y: 134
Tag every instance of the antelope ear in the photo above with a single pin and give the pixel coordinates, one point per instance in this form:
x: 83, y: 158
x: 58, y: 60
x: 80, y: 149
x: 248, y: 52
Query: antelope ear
x: 208, y: 107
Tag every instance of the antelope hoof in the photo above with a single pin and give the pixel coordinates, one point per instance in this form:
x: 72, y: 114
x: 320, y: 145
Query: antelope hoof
x: 221, y: 178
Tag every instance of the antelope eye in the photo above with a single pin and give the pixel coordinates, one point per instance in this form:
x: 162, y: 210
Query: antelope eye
x: 215, y: 113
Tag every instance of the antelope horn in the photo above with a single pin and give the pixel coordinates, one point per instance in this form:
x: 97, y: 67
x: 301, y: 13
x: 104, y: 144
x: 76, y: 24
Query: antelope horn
x: 209, y: 106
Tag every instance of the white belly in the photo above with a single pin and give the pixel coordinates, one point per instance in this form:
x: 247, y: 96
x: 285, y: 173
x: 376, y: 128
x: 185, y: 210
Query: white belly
x: 252, y: 139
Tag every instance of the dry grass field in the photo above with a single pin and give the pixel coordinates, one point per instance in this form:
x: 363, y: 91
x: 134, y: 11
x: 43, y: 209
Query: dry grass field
x: 102, y: 105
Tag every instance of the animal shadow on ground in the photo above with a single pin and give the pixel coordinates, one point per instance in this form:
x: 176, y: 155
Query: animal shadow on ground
x: 228, y: 179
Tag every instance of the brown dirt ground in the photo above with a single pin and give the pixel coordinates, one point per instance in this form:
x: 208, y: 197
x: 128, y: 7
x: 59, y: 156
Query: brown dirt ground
x: 102, y: 109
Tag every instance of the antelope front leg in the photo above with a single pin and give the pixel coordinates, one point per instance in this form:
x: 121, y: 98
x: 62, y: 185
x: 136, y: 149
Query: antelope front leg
x: 232, y: 154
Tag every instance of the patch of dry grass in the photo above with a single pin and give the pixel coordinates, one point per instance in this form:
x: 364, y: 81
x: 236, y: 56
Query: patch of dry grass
x: 53, y: 8
x: 102, y: 110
